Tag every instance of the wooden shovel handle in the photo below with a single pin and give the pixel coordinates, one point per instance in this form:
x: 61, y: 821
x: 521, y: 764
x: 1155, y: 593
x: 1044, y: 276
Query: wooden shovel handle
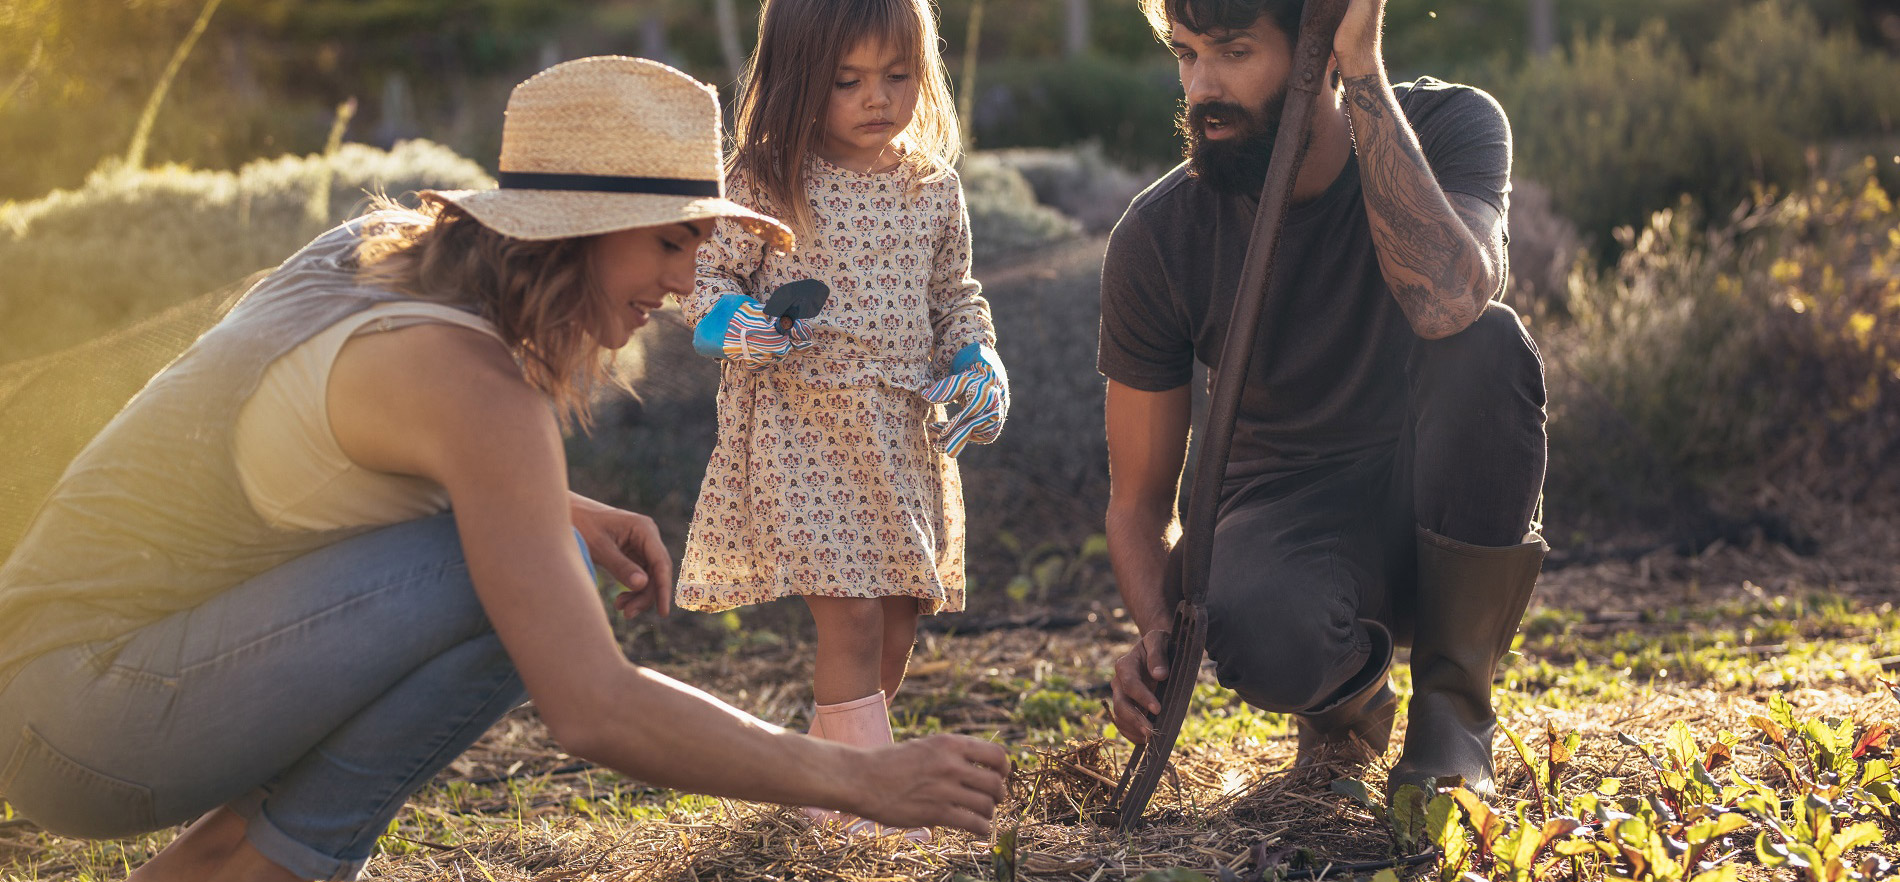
x: 1319, y: 21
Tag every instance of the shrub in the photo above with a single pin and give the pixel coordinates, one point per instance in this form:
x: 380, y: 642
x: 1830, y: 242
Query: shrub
x: 1005, y: 217
x: 132, y: 242
x: 1080, y: 182
x: 1621, y: 128
x: 1766, y: 348
x: 1544, y: 247
x: 1128, y: 108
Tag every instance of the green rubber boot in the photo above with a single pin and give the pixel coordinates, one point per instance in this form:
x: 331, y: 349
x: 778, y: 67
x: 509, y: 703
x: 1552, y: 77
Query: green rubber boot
x: 1470, y: 601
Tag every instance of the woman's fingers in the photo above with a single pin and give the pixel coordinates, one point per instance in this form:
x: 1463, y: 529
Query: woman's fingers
x: 632, y: 603
x: 941, y: 780
x: 649, y: 555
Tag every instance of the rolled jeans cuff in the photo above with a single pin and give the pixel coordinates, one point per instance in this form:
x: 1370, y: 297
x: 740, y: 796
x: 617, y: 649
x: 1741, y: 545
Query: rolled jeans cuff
x: 273, y: 843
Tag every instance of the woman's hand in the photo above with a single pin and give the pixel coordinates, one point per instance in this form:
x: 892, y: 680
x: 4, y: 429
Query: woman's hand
x: 938, y: 781
x: 628, y: 546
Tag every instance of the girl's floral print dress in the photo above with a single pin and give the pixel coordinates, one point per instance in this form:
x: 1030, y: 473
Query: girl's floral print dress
x: 826, y: 479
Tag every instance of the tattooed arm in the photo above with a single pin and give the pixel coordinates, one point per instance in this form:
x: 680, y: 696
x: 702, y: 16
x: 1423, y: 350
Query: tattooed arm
x: 1442, y: 254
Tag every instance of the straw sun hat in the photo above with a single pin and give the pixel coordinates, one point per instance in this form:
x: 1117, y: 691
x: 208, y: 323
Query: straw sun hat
x: 609, y: 143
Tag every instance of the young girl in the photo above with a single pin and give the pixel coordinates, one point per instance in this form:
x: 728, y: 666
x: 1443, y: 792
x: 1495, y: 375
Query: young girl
x: 834, y: 476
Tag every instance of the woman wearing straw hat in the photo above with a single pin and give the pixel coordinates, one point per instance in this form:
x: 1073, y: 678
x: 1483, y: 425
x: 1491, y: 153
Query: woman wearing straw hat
x: 247, y: 599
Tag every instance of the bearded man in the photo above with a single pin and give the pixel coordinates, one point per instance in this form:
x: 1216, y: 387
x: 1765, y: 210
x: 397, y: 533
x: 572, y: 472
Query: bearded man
x: 1388, y: 457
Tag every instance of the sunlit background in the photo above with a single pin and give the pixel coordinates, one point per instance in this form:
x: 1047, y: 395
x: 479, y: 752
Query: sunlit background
x: 1702, y: 231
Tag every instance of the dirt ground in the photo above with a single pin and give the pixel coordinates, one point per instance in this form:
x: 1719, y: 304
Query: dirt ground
x: 1637, y: 646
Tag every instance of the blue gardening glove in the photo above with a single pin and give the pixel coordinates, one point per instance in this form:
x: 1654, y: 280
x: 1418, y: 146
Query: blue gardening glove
x: 976, y: 376
x: 738, y: 330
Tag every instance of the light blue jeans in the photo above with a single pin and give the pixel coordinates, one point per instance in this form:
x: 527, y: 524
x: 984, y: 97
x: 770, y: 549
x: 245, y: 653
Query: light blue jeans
x: 312, y: 700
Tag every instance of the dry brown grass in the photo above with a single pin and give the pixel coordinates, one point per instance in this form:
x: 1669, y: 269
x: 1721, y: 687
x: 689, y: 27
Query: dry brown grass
x: 1230, y: 801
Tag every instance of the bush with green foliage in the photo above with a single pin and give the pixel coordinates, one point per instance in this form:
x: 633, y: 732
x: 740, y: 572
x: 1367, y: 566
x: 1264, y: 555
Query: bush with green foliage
x: 1081, y: 181
x: 132, y: 242
x: 1127, y: 108
x: 1766, y: 347
x: 1619, y: 128
x: 1005, y: 217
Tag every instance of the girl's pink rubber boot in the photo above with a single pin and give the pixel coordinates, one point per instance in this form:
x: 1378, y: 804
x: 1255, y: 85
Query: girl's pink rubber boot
x: 862, y: 722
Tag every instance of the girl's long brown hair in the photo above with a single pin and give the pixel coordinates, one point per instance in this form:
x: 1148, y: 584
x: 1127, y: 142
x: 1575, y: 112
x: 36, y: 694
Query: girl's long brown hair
x: 538, y: 294
x: 788, y: 84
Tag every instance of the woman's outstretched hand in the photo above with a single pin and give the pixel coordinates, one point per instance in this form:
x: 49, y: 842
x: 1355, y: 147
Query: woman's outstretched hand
x: 627, y: 545
x: 938, y: 781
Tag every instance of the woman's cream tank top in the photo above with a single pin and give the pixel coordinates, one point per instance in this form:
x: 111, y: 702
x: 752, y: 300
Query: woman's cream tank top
x: 288, y: 460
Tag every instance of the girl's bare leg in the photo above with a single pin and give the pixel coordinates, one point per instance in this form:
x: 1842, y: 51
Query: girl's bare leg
x: 212, y: 849
x: 900, y: 635
x: 850, y: 644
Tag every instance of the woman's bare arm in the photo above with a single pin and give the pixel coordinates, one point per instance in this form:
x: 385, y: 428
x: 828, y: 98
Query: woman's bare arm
x: 449, y: 404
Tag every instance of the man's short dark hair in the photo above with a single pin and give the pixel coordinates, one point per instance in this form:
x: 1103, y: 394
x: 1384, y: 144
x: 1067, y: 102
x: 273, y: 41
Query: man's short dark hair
x: 1209, y: 16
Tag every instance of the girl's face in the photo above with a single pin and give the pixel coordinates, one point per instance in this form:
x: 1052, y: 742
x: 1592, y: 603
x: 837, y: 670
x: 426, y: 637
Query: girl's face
x: 873, y: 96
x: 635, y: 269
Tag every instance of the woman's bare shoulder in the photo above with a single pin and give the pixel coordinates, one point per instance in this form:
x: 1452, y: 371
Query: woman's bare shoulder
x: 404, y: 400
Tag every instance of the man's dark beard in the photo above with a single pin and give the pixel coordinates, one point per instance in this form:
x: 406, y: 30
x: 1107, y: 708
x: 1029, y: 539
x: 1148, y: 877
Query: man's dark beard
x: 1232, y: 165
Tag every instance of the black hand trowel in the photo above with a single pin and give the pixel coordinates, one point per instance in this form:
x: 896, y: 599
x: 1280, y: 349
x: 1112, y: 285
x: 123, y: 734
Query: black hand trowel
x: 801, y: 299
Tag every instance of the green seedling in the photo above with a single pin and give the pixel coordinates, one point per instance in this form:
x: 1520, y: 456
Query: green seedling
x: 1050, y: 565
x: 1815, y: 845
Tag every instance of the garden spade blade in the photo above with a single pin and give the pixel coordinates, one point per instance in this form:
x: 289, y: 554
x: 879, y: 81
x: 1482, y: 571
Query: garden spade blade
x: 1188, y: 640
x: 1318, y: 23
x: 801, y: 299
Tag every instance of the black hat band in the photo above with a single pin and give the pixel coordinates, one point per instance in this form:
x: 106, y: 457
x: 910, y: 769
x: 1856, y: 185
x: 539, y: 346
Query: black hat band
x: 607, y: 184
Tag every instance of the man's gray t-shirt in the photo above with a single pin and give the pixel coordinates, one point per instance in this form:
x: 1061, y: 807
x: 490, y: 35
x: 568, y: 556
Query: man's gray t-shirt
x: 1327, y: 379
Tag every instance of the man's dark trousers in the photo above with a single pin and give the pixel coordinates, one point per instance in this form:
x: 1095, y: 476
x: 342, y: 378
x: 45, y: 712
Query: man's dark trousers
x: 1300, y: 561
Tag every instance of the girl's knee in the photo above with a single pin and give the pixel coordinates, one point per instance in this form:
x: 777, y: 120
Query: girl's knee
x: 857, y: 621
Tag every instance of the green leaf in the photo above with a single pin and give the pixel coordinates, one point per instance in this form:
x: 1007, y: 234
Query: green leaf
x: 1681, y: 747
x: 1096, y: 546
x: 1888, y: 796
x: 1003, y: 856
x: 1408, y: 816
x: 1875, y: 770
x: 1769, y: 729
x: 1048, y: 573
x: 1442, y: 824
x: 1580, y: 847
x: 1486, y: 822
x: 1019, y: 588
x: 1723, y: 873
x: 1515, y: 851
x: 1538, y: 787
x: 1631, y: 741
x: 1701, y: 836
x: 1356, y: 790
x: 1863, y: 833
x: 1781, y: 711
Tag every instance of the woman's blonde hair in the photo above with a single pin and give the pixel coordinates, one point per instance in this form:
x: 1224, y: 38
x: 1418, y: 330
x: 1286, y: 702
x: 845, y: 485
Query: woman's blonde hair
x: 788, y: 83
x: 538, y: 294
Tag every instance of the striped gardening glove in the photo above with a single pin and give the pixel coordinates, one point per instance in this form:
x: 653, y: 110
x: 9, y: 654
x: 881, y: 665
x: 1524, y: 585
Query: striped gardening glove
x: 977, y: 377
x: 738, y: 330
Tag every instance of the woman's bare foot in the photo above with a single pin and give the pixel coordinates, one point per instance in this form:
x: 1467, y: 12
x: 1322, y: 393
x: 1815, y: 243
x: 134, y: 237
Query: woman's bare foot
x: 212, y: 849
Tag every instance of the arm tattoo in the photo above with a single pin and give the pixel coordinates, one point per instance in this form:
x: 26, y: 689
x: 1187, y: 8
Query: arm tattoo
x: 1438, y: 255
